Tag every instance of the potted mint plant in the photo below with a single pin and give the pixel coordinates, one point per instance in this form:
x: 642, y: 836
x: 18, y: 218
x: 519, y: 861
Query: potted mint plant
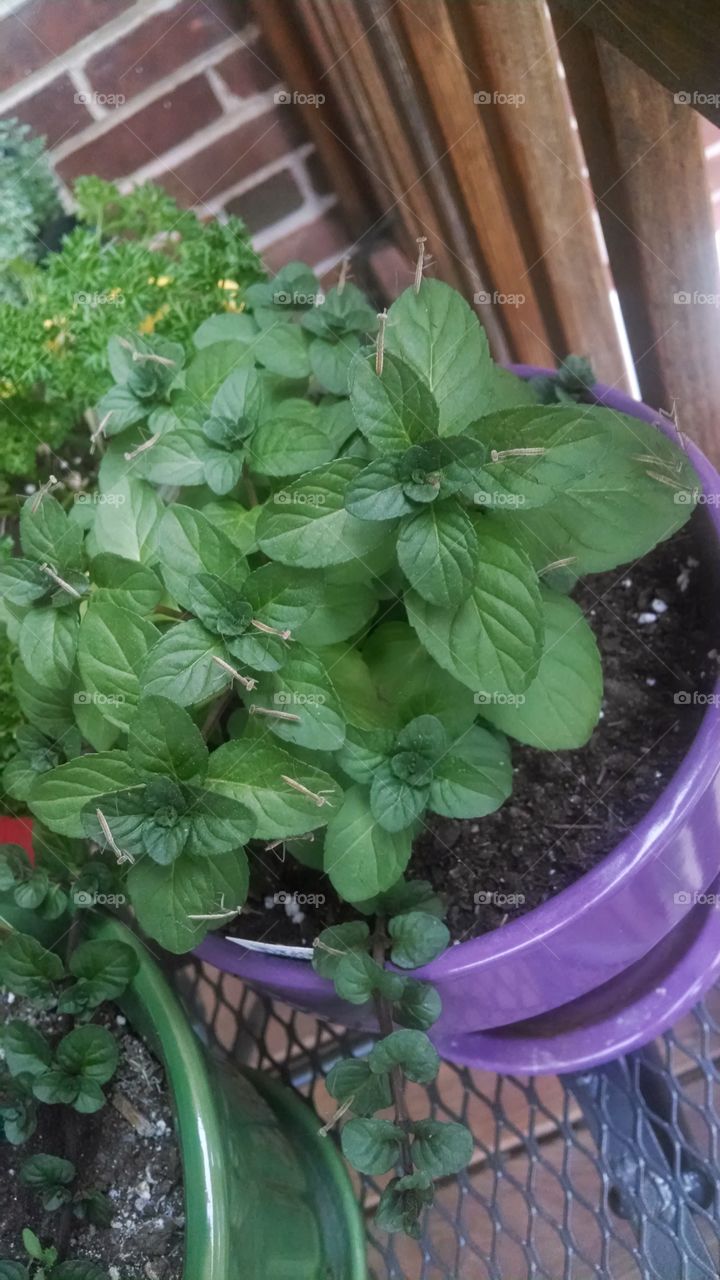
x: 324, y: 586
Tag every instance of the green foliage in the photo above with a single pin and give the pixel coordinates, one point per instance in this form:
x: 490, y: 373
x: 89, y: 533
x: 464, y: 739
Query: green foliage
x: 28, y: 201
x: 136, y: 265
x: 268, y: 493
x: 423, y: 1149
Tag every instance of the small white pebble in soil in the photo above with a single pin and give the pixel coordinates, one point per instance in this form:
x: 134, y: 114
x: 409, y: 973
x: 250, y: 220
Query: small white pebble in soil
x: 114, y: 1273
x: 120, y: 1021
x: 658, y: 773
x: 474, y: 828
x: 646, y: 618
x: 29, y: 488
x: 658, y: 605
x: 627, y: 583
x: 10, y: 997
x: 651, y: 681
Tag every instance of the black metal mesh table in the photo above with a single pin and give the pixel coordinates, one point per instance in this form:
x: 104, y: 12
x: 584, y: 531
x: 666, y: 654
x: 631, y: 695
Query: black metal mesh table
x: 612, y: 1174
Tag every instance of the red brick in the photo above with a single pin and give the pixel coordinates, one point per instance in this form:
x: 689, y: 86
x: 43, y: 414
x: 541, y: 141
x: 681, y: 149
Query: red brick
x: 232, y: 158
x: 163, y: 43
x: 267, y: 203
x: 54, y: 111
x: 147, y: 134
x: 43, y: 29
x: 248, y: 70
x: 312, y: 243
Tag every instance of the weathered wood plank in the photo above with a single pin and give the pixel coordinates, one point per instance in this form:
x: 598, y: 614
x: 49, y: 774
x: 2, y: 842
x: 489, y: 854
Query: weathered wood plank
x: 646, y: 163
x: 676, y: 44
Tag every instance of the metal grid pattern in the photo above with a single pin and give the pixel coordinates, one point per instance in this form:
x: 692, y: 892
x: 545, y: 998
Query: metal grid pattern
x: 607, y: 1176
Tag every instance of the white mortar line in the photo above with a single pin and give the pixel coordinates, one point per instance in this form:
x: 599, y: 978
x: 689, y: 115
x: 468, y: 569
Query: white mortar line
x: 329, y: 264
x: 309, y: 213
x: 82, y: 85
x: 197, y: 142
x: 157, y: 90
x: 78, y: 54
x: 293, y: 160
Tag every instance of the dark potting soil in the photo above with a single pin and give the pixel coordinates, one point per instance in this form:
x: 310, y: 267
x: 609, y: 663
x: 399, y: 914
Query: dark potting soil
x: 656, y: 624
x: 127, y: 1150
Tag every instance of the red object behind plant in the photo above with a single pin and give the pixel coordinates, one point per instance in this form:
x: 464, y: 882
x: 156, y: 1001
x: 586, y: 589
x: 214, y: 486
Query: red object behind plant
x: 17, y: 831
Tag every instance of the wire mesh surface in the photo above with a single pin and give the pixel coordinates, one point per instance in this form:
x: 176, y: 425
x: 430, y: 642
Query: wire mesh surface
x: 622, y: 1188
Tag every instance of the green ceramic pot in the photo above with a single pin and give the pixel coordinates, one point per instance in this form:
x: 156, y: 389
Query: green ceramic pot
x: 266, y: 1198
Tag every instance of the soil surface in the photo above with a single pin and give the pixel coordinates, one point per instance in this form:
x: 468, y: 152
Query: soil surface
x: 128, y: 1150
x: 656, y: 624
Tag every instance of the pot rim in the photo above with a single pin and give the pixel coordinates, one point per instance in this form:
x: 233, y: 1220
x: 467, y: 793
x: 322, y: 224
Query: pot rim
x: 659, y: 824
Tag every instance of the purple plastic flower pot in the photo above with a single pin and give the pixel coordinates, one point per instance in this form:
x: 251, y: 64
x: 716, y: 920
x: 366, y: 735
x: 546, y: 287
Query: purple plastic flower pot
x: 610, y: 934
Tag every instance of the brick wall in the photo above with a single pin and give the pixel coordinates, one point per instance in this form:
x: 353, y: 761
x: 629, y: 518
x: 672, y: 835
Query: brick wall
x: 181, y: 92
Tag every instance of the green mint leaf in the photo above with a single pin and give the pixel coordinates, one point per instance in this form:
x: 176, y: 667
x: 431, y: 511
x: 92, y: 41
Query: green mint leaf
x: 402, y: 1202
x: 50, y: 709
x: 169, y: 901
x: 12, y: 1270
x: 417, y: 938
x: 126, y: 583
x: 33, y: 1245
x: 120, y: 408
x: 438, y: 334
x: 302, y: 689
x: 104, y: 970
x: 642, y: 491
x: 164, y: 740
x: 561, y: 707
x: 59, y: 797
x: 33, y: 892
x: 180, y: 666
x: 48, y: 642
x: 437, y: 551
x: 372, y: 1146
x: 419, y: 1005
x: 353, y: 1080
x: 331, y: 362
x: 127, y: 518
x: 14, y: 866
x: 49, y: 1175
x: 47, y: 535
x: 94, y: 1208
x: 290, y: 441
x: 231, y: 326
x: 112, y: 646
x: 283, y: 349
x: 306, y: 523
x: 377, y: 492
x: 217, y: 824
x: 209, y: 369
x: 253, y: 771
x: 490, y: 641
x: 394, y: 803
x: 88, y: 1052
x: 357, y: 976
x: 78, y: 1269
x: 22, y: 582
x: 394, y: 410
x: 441, y: 1148
x: 410, y: 1050
x: 335, y: 942
x: 361, y: 858
x: 28, y: 968
x: 189, y: 545
x: 475, y: 776
x: 26, y: 1050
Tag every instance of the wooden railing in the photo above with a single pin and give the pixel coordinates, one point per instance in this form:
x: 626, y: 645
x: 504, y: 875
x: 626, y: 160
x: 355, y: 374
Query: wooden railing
x: 549, y: 157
